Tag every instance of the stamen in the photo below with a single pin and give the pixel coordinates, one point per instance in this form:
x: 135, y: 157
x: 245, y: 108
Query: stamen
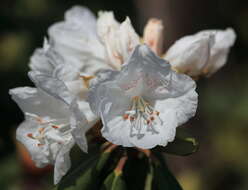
x: 41, y: 130
x: 141, y: 114
x: 86, y: 80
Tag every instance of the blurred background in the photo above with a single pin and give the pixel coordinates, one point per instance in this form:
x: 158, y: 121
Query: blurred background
x: 221, y: 123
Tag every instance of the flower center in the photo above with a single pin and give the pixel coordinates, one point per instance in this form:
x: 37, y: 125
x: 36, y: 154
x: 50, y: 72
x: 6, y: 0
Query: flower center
x: 48, y: 131
x: 141, y: 114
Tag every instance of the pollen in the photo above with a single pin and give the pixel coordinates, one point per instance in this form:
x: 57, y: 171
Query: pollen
x: 86, y: 80
x: 157, y: 113
x: 30, y: 135
x: 125, y: 116
x: 55, y: 126
x: 132, y: 118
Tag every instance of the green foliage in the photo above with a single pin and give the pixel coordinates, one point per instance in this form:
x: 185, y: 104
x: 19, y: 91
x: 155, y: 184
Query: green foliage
x: 114, y: 181
x: 163, y: 178
x: 103, y: 171
x: 183, y: 145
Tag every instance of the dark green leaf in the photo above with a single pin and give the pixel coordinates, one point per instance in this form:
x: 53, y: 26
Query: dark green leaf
x: 149, y: 178
x: 135, y: 172
x: 79, y: 177
x: 183, y: 145
x: 80, y: 173
x: 163, y: 178
x: 114, y: 181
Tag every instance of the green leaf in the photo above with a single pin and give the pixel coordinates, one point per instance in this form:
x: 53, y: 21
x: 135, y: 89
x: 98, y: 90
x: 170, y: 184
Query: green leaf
x: 149, y: 178
x: 78, y: 178
x: 114, y: 181
x: 79, y: 174
x: 183, y: 145
x: 85, y: 176
x: 102, y: 161
x: 135, y: 172
x: 163, y: 178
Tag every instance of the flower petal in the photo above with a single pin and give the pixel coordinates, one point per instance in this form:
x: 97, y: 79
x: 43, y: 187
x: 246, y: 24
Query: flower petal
x: 52, y: 86
x: 40, y: 155
x: 119, y: 39
x: 146, y: 74
x: 224, y: 40
x: 79, y: 125
x: 33, y: 100
x: 118, y: 131
x: 44, y: 59
x: 184, y: 106
x: 62, y: 162
x: 76, y: 39
x: 191, y: 53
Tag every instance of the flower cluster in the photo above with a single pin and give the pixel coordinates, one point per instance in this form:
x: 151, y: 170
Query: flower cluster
x: 92, y: 69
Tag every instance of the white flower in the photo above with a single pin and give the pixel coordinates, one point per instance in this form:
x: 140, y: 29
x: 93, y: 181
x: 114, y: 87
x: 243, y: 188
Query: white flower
x: 143, y: 104
x: 47, y: 131
x: 76, y: 40
x: 224, y: 40
x: 118, y: 39
x: 47, y: 63
x: 201, y: 54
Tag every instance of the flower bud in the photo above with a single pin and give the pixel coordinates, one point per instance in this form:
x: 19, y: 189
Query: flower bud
x: 153, y: 35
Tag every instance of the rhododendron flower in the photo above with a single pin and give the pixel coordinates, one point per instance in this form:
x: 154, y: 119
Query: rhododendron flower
x: 143, y: 104
x: 49, y: 126
x: 201, y: 54
x: 98, y: 68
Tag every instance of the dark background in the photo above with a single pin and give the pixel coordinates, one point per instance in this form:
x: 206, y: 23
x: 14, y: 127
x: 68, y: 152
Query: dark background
x: 221, y: 123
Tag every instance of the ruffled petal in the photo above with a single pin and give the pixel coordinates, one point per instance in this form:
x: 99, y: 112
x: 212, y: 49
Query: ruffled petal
x: 76, y: 39
x: 121, y: 132
x: 184, y: 106
x: 52, y: 86
x: 119, y: 39
x: 45, y: 59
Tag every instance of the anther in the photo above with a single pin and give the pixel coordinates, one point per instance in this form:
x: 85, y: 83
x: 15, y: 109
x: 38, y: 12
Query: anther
x: 55, y: 126
x: 30, y: 135
x: 125, y: 116
x: 132, y: 118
